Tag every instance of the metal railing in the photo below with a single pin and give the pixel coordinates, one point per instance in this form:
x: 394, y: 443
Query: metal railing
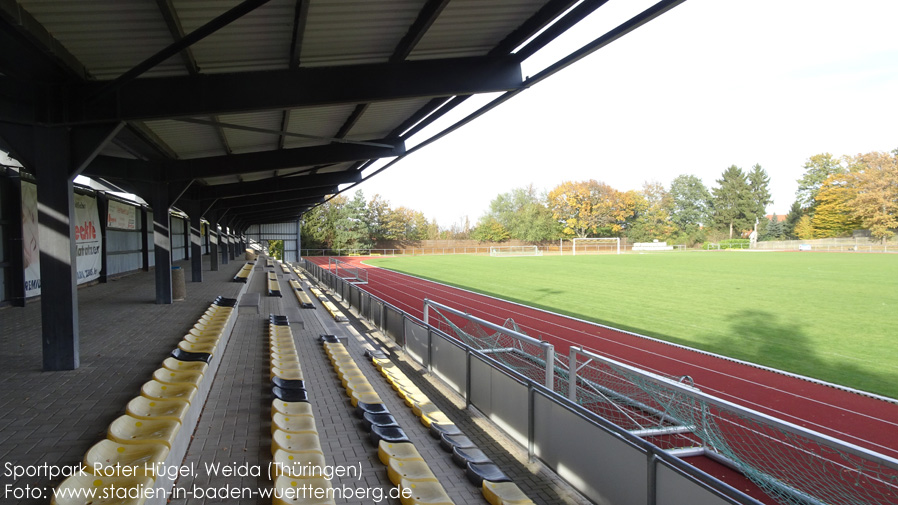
x: 606, y: 463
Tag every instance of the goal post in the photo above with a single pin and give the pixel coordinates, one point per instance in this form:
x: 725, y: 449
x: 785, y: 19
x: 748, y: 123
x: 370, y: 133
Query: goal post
x: 518, y: 250
x: 599, y: 245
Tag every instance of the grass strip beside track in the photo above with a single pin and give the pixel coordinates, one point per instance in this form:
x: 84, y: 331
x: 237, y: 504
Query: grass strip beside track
x: 828, y: 316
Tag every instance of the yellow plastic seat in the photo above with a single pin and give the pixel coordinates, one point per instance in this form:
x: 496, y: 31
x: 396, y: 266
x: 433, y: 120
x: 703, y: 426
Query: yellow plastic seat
x: 74, y: 490
x: 410, y: 397
x: 359, y: 384
x: 191, y: 347
x: 211, y: 326
x: 293, y: 424
x: 205, y: 332
x: 423, y: 493
x: 428, y: 418
x: 401, y: 382
x: 193, y: 366
x: 412, y: 470
x: 110, y: 458
x: 291, y: 408
x: 422, y: 408
x: 160, y: 391
x: 504, y: 493
x: 286, y: 364
x: 387, y: 451
x: 178, y: 376
x: 284, y: 356
x: 295, y: 442
x: 362, y: 396
x: 351, y: 376
x: 305, y: 465
x: 287, y: 373
x: 131, y: 430
x: 314, y: 491
x: 142, y: 407
x: 202, y: 339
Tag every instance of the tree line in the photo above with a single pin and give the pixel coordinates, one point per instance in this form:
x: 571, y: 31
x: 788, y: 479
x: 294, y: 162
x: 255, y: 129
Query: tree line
x: 835, y: 197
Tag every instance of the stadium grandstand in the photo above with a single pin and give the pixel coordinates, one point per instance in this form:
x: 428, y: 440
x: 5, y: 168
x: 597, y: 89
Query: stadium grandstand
x: 155, y: 351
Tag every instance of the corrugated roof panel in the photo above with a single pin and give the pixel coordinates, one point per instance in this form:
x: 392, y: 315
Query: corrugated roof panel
x: 108, y: 37
x: 381, y: 118
x: 316, y: 121
x: 242, y: 141
x: 339, y: 167
x: 260, y: 40
x: 345, y: 32
x: 473, y: 27
x: 188, y: 140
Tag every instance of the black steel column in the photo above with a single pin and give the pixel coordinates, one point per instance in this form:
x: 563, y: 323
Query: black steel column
x: 103, y: 211
x: 16, y: 253
x: 162, y: 242
x: 196, y: 244
x: 145, y: 238
x: 213, y: 242
x: 299, y: 240
x: 59, y: 283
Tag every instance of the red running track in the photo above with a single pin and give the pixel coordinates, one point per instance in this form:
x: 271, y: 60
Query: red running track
x: 860, y: 420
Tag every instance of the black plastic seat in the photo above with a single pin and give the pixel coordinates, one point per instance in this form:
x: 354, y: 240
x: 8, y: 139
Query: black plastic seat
x: 374, y: 408
x: 374, y: 353
x: 181, y: 354
x: 370, y: 419
x: 288, y: 383
x: 449, y: 442
x: 225, y: 302
x: 290, y: 395
x: 462, y: 456
x: 437, y: 430
x: 479, y: 472
x: 330, y: 339
x: 389, y: 434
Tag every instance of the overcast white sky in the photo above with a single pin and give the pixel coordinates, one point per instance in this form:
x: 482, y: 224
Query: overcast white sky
x: 709, y: 84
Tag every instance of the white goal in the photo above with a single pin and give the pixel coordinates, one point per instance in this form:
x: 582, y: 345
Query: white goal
x: 609, y: 245
x: 517, y: 250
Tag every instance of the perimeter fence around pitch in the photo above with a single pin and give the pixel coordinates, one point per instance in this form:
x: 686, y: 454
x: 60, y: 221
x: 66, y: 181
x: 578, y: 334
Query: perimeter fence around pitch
x: 670, y: 415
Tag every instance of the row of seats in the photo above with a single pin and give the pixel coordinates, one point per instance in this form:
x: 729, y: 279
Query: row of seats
x: 285, y: 267
x: 243, y: 274
x: 496, y: 486
x: 139, y: 442
x: 297, y: 456
x: 331, y: 308
x: 405, y: 466
x: 274, y: 289
x: 304, y: 300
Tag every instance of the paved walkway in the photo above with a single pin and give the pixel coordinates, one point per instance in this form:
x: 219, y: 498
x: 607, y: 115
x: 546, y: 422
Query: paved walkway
x: 51, y: 419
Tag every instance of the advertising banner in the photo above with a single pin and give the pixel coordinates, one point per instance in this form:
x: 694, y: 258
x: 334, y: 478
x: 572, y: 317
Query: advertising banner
x: 121, y: 216
x: 88, y: 242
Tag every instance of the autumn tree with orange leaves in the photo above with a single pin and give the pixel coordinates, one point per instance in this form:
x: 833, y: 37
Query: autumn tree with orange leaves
x: 585, y: 207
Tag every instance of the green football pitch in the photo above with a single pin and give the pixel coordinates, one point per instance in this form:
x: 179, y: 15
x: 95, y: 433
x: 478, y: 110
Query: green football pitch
x: 830, y: 316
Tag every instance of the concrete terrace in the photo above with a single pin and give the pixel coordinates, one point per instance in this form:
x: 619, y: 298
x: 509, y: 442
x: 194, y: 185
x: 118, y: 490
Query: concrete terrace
x: 50, y: 419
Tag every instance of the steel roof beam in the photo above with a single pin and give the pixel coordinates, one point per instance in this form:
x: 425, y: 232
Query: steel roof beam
x: 235, y: 164
x: 301, y: 196
x: 267, y: 186
x: 206, y: 94
x: 426, y: 17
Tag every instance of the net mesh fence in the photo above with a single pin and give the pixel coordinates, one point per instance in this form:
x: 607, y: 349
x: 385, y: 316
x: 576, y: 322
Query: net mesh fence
x: 790, y: 466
